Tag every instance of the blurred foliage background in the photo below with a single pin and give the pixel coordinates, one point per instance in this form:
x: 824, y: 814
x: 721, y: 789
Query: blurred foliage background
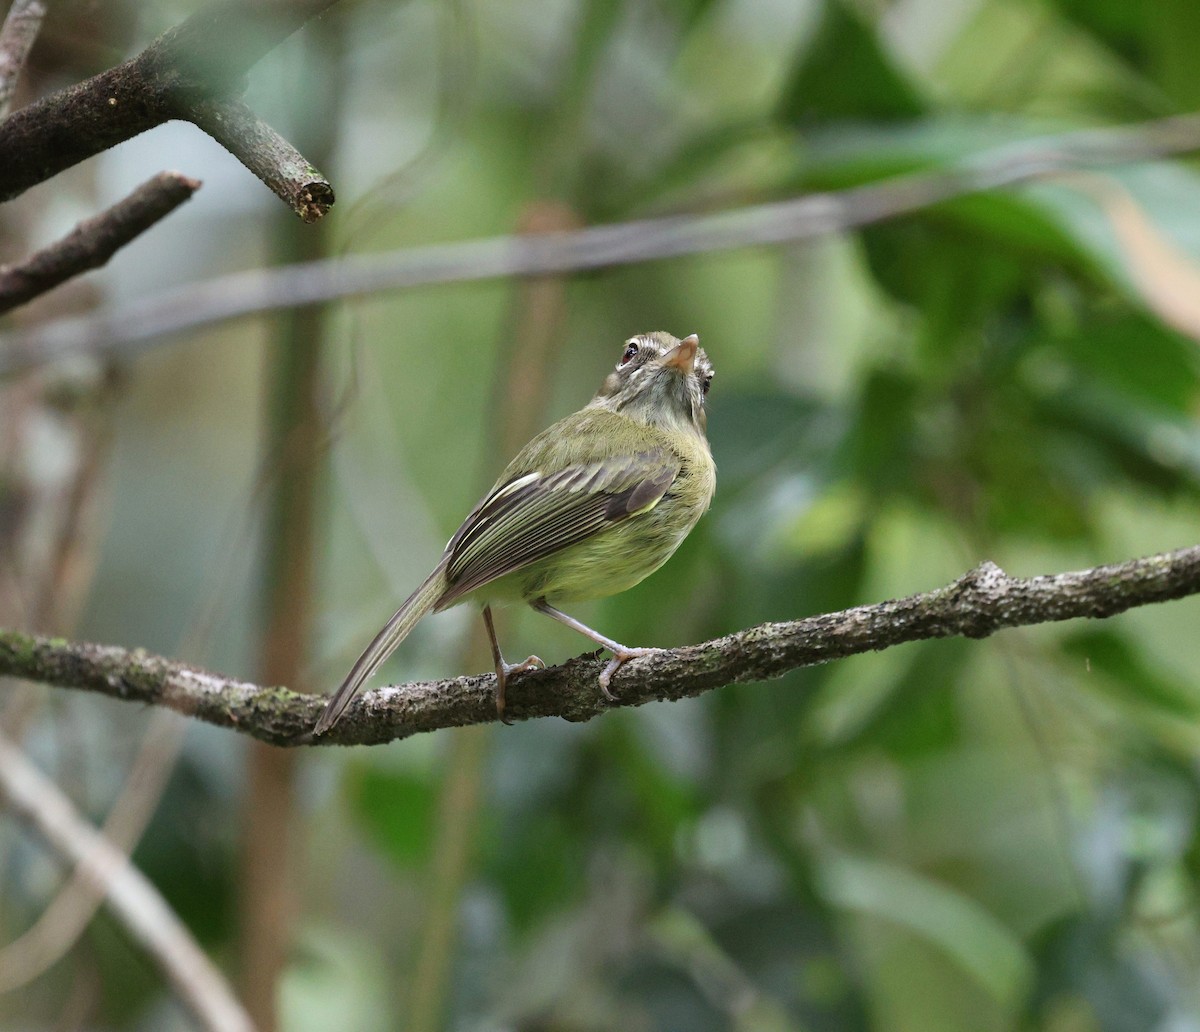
x: 951, y: 835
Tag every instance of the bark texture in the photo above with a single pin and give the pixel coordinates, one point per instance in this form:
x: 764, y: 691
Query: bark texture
x: 976, y: 605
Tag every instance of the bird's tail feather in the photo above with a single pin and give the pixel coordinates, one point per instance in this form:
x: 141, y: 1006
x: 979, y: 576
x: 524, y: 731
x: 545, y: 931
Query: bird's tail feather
x: 384, y: 644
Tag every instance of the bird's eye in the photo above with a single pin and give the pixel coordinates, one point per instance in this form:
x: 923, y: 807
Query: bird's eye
x: 707, y: 383
x: 631, y: 351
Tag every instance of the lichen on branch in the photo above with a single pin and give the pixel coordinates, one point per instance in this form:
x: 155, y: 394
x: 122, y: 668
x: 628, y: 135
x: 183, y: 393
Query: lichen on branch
x: 978, y: 604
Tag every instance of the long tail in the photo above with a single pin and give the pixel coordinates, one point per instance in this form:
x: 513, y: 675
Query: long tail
x: 385, y: 643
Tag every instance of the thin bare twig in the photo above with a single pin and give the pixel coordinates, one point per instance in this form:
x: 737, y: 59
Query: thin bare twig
x: 203, y: 59
x: 134, y: 901
x: 94, y: 241
x: 67, y: 916
x: 57, y: 574
x: 20, y: 29
x: 144, y: 324
x: 975, y: 606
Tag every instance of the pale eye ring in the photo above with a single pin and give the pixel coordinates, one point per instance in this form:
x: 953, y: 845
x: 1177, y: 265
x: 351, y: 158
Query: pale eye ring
x: 630, y: 354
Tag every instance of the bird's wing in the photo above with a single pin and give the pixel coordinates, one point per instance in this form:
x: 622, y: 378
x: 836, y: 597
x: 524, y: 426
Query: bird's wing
x: 534, y: 515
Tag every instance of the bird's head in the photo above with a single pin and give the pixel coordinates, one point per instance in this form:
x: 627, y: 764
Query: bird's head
x: 659, y: 379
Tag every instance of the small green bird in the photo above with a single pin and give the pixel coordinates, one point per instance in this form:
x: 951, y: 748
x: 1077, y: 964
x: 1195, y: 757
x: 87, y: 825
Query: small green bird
x: 591, y: 506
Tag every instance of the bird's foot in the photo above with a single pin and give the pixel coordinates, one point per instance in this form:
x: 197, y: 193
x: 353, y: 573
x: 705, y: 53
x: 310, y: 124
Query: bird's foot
x: 506, y: 670
x: 528, y: 663
x: 620, y: 657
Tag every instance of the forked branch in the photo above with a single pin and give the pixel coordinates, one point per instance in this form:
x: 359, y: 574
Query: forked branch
x: 194, y: 72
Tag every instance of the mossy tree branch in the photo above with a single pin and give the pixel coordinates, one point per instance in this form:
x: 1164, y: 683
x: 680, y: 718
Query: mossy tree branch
x: 983, y: 601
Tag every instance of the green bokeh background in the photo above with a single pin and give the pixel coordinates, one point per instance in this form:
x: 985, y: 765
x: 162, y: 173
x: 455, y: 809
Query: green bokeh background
x: 951, y: 835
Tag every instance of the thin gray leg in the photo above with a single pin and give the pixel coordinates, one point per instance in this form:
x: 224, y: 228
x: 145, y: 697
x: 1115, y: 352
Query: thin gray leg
x: 503, y: 670
x: 621, y: 653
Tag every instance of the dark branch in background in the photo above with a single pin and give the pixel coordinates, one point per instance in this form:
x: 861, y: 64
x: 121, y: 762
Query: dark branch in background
x: 975, y: 606
x: 143, y: 325
x: 202, y: 61
x: 93, y: 242
x: 20, y: 29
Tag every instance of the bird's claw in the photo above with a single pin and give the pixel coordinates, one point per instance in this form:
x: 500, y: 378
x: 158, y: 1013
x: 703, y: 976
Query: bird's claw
x: 619, y: 659
x: 506, y: 670
x: 528, y: 663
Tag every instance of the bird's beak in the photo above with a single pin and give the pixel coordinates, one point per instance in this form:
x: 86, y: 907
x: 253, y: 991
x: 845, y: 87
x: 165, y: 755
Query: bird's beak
x: 683, y: 355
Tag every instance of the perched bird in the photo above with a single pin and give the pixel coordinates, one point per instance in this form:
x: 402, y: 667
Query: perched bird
x: 588, y: 508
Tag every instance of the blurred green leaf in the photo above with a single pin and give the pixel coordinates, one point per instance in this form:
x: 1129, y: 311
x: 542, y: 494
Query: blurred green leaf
x: 962, y: 282
x: 1115, y: 23
x: 844, y: 72
x: 197, y: 884
x: 396, y: 809
x: 1124, y: 671
x: 1037, y: 222
x: 973, y: 938
x: 1167, y: 193
x: 665, y: 804
x: 1099, y: 433
x: 538, y: 862
x: 335, y: 980
x: 128, y: 983
x: 1083, y: 957
x: 879, y: 448
x: 764, y: 431
x: 685, y: 941
x: 690, y: 12
x: 1135, y: 357
x: 1171, y: 27
x: 919, y: 715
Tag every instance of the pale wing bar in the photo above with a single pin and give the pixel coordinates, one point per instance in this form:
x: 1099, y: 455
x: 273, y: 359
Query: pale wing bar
x: 513, y: 528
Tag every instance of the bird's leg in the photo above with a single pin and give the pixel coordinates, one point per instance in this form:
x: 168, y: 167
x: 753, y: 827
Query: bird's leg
x: 504, y: 669
x: 621, y: 653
